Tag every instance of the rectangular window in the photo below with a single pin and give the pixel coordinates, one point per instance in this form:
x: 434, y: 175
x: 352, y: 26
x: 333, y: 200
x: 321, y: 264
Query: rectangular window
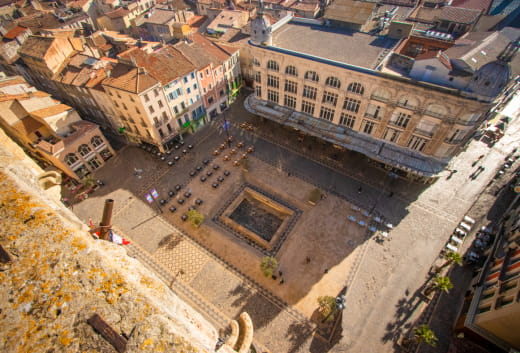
x: 150, y: 108
x: 192, y: 75
x: 94, y: 163
x: 273, y: 81
x: 195, y: 87
x: 400, y: 119
x: 188, y: 90
x: 258, y: 91
x: 417, y: 143
x: 164, y: 116
x: 347, y: 120
x: 291, y: 86
x: 308, y: 107
x: 272, y: 96
x: 352, y: 105
x: 170, y: 130
x: 146, y: 99
x: 330, y: 98
x: 309, y: 92
x: 201, y: 75
x: 131, y: 99
x: 137, y: 110
x: 160, y: 104
x: 327, y: 113
x: 183, y: 105
x: 258, y: 77
x: 161, y: 132
x: 156, y: 92
x: 289, y: 101
x: 391, y: 135
x: 176, y: 110
x: 185, y: 79
x: 368, y: 126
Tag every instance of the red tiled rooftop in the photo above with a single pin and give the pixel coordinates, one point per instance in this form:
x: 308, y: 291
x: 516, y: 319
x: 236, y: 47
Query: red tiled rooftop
x: 15, y: 32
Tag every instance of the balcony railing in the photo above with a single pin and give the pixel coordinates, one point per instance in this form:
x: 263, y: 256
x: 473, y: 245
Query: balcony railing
x: 100, y: 146
x: 407, y: 106
x: 435, y: 114
x: 428, y: 133
x: 379, y: 98
x: 373, y: 116
x: 51, y: 146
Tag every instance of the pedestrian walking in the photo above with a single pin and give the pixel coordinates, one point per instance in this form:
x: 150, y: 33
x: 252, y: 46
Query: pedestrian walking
x: 391, y: 194
x: 282, y: 281
x: 308, y: 260
x: 359, y: 190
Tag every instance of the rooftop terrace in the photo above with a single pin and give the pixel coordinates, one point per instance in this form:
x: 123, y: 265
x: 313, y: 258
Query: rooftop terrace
x: 349, y: 47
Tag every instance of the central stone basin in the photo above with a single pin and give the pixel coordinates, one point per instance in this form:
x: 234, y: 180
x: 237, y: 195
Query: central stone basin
x: 258, y: 217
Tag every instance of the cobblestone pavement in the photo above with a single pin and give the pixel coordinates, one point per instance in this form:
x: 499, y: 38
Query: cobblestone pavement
x: 385, y: 276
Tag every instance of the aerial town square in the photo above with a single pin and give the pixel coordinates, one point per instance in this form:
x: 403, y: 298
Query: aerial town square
x: 306, y: 176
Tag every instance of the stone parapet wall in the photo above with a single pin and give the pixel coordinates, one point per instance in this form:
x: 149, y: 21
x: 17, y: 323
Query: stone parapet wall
x: 60, y: 276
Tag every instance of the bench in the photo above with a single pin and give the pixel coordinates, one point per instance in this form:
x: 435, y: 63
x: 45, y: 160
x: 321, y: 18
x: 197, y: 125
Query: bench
x: 451, y: 247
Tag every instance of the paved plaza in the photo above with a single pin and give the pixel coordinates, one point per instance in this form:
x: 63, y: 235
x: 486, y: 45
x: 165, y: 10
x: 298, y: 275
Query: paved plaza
x: 218, y: 271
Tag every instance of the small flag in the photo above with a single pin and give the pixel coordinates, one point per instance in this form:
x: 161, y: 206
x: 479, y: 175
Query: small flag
x: 149, y: 198
x: 154, y: 193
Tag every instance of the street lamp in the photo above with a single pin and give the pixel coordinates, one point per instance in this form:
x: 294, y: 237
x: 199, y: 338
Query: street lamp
x: 338, y: 306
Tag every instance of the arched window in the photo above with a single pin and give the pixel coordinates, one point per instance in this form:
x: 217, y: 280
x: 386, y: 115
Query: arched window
x: 96, y: 141
x: 356, y: 87
x: 84, y: 150
x: 291, y: 70
x: 333, y: 82
x: 256, y: 62
x: 273, y: 65
x: 312, y: 76
x: 71, y: 158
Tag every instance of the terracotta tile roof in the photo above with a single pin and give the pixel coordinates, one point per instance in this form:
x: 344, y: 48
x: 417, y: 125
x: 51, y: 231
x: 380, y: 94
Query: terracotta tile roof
x: 27, y: 125
x: 127, y: 78
x: 305, y: 6
x: 36, y: 46
x: 473, y: 4
x: 15, y: 32
x: 350, y: 11
x: 46, y: 20
x: 80, y: 129
x: 197, y: 21
x: 118, y: 13
x: 161, y: 16
x: 50, y: 111
x: 78, y: 3
x: 459, y: 15
x: 15, y: 80
x: 165, y: 65
x: 11, y: 97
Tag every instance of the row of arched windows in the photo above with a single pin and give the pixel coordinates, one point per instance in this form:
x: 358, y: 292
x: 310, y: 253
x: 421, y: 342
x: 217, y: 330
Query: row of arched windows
x: 83, y: 150
x: 331, y: 81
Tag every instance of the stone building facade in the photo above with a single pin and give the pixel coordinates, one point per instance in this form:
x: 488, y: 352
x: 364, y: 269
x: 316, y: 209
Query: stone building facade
x: 412, y: 127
